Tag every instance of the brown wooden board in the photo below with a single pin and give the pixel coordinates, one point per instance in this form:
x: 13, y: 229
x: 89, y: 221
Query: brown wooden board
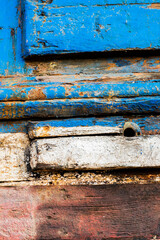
x: 127, y: 211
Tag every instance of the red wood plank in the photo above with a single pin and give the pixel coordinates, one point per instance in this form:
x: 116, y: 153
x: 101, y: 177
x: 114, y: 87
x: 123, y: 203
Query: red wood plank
x: 80, y: 212
x: 16, y: 214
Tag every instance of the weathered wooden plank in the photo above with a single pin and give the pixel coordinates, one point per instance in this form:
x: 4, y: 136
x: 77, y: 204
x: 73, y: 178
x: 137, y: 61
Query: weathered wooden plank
x: 97, y: 65
x: 149, y: 125
x: 80, y: 212
x: 55, y: 28
x: 93, y: 89
x: 11, y: 61
x: 95, y: 152
x: 73, y: 131
x: 13, y: 126
x: 14, y: 152
x: 79, y: 107
x: 16, y: 215
x: 75, y: 78
x: 65, y: 127
x: 72, y: 3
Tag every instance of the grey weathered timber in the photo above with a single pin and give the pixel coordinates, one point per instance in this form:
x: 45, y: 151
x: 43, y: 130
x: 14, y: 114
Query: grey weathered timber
x: 14, y: 150
x: 95, y: 152
x: 52, y: 131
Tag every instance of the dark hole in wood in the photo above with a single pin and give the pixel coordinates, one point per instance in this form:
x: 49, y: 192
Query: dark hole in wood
x: 129, y: 132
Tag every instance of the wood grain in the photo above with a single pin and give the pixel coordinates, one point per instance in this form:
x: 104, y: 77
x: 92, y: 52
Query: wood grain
x: 98, y: 88
x: 80, y: 212
x: 73, y: 131
x: 79, y: 107
x: 150, y: 125
x: 14, y: 151
x: 56, y: 28
x: 95, y: 152
x: 13, y: 64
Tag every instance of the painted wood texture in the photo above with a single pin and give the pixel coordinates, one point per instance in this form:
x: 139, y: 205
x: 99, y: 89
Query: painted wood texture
x: 150, y: 125
x: 97, y: 66
x: 40, y: 129
x: 79, y: 108
x: 12, y: 63
x: 80, y: 212
x: 54, y: 28
x: 15, y: 169
x: 95, y: 152
x: 47, y: 98
x: 106, y: 88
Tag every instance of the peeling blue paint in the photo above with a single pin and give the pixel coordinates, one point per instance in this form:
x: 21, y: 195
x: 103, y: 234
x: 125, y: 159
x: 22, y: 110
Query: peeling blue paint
x: 90, y: 26
x: 51, y: 90
x: 148, y: 125
x: 79, y: 108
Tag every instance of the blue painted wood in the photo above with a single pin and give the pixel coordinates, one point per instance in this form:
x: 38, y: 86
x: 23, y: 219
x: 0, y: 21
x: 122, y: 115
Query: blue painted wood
x: 79, y: 107
x: 84, y: 3
x: 80, y: 90
x: 51, y: 27
x: 32, y: 97
x: 11, y: 61
x: 13, y: 126
x: 148, y: 125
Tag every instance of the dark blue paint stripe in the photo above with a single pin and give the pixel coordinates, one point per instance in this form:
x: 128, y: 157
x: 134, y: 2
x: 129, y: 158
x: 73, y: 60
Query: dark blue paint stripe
x: 79, y: 107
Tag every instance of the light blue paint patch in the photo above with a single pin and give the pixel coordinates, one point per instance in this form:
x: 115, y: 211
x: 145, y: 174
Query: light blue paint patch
x: 11, y: 61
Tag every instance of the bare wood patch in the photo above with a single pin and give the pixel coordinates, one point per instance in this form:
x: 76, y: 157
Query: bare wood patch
x: 154, y: 6
x: 49, y: 131
x: 95, y: 152
x: 14, y: 149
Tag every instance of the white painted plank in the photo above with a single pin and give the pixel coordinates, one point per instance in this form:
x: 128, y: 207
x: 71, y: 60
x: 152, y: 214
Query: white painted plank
x: 95, y: 152
x: 49, y: 131
x: 14, y: 151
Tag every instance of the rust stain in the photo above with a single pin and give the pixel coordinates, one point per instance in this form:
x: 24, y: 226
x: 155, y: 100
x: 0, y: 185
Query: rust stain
x: 44, y: 131
x: 82, y: 178
x: 148, y: 65
x: 154, y: 6
x: 150, y: 132
x: 81, y: 94
x: 19, y: 13
x: 157, y: 61
x: 68, y: 89
x: 70, y: 67
x: 13, y: 33
x: 111, y: 65
x: 36, y: 94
